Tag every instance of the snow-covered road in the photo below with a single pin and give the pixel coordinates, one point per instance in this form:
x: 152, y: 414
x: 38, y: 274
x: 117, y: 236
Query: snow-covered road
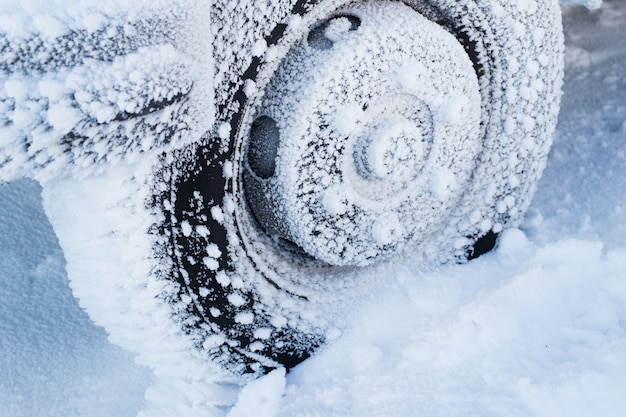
x: 535, y: 328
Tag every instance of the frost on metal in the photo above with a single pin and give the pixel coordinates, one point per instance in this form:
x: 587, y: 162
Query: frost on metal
x: 377, y: 132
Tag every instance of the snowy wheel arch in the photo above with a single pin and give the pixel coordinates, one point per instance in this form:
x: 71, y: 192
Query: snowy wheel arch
x: 253, y: 304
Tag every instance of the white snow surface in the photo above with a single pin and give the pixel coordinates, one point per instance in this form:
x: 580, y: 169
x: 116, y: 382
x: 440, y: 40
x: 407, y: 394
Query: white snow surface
x: 535, y: 328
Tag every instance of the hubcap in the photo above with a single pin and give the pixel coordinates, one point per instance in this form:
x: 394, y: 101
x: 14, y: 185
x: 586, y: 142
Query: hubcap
x: 366, y: 136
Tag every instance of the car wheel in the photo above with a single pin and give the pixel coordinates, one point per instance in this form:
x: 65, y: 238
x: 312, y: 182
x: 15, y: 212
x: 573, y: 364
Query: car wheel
x: 350, y: 134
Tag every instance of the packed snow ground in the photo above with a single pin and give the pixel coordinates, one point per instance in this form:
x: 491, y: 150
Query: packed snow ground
x: 536, y: 328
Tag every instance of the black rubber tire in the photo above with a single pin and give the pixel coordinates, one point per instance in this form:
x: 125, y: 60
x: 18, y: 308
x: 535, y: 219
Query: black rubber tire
x: 247, y: 301
x: 252, y: 282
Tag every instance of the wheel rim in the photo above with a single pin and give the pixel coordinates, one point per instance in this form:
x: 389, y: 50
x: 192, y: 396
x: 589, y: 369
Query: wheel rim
x: 353, y: 147
x: 302, y: 299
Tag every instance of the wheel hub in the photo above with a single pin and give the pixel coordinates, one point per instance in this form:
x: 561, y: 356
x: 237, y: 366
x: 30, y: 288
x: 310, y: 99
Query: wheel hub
x: 365, y: 136
x: 394, y: 148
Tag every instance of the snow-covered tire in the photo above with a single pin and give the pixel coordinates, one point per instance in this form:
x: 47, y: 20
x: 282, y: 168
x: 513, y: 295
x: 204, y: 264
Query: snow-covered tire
x: 243, y: 286
x: 253, y: 276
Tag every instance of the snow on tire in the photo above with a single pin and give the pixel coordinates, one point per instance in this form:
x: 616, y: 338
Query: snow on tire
x: 351, y: 133
x: 232, y: 204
